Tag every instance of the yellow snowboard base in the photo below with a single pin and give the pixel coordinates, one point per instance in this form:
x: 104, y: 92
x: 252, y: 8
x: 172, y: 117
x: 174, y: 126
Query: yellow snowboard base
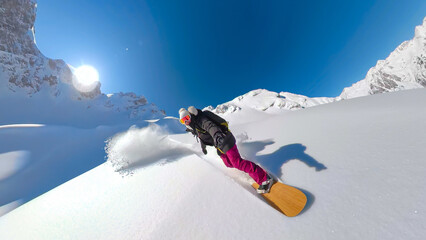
x: 288, y: 200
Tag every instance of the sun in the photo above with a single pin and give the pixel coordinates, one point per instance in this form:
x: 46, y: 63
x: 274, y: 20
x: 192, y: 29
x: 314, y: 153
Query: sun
x: 86, y: 78
x: 87, y: 75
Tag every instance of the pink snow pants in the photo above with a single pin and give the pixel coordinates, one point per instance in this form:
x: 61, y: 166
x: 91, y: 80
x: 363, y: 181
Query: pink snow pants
x: 232, y: 159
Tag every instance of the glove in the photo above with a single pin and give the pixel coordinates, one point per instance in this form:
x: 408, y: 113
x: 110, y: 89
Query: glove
x: 190, y: 130
x: 203, y: 148
x: 219, y: 140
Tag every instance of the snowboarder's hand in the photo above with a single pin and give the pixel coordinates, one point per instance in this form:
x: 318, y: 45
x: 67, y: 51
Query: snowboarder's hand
x: 190, y: 130
x: 220, y: 138
x: 203, y: 148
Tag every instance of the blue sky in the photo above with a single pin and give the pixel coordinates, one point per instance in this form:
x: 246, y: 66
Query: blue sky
x: 192, y: 52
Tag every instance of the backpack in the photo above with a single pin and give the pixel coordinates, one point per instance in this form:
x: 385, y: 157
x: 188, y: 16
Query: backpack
x: 222, y: 123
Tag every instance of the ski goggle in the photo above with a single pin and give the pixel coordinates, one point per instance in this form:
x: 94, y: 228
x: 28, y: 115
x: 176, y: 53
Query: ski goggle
x: 185, y: 120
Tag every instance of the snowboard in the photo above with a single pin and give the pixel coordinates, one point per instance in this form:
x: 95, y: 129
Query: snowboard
x: 286, y: 199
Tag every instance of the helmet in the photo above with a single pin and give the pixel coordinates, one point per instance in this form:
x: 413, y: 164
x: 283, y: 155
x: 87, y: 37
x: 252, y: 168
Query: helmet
x: 193, y: 110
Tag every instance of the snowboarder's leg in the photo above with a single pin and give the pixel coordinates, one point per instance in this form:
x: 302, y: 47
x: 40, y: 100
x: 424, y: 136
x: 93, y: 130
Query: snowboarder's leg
x: 225, y: 160
x: 257, y: 173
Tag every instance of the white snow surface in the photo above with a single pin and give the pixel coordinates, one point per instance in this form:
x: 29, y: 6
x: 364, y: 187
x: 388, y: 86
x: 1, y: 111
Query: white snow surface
x: 361, y: 163
x: 11, y: 162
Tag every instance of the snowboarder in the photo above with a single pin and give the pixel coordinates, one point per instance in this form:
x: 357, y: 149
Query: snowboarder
x: 212, y: 130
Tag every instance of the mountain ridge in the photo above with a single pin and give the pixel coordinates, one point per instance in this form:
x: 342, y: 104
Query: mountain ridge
x: 403, y: 69
x: 28, y: 74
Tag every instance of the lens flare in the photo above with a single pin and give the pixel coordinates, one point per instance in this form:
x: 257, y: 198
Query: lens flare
x: 86, y: 78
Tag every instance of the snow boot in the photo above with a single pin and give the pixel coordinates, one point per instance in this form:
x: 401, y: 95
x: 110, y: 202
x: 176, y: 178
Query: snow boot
x: 265, y: 187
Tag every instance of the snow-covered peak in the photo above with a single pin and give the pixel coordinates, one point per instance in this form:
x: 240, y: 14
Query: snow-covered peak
x: 269, y: 102
x: 30, y: 81
x: 405, y: 68
x: 420, y: 31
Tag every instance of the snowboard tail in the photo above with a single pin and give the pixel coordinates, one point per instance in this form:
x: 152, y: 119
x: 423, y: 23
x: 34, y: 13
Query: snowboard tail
x: 286, y: 199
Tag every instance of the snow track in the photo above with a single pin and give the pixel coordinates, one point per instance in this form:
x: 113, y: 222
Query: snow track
x: 360, y: 162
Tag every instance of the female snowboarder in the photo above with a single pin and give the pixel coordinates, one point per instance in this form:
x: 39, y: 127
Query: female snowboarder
x: 212, y: 130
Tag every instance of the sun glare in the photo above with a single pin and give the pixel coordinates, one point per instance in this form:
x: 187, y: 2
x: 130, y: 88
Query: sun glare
x: 86, y: 78
x: 87, y: 75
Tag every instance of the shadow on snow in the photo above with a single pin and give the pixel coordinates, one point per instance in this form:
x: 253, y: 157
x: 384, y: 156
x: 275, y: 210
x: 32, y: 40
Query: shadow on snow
x: 274, y: 162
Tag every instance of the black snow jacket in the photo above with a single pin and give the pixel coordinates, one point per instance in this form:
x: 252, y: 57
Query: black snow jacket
x: 210, y: 133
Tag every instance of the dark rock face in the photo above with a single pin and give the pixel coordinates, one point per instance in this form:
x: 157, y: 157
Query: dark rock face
x: 25, y: 71
x: 20, y: 59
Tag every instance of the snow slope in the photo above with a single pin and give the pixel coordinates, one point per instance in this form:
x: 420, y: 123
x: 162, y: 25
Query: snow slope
x: 36, y: 158
x: 359, y: 161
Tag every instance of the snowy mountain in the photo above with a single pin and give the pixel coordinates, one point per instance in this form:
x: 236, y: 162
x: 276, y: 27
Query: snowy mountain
x: 33, y: 82
x: 405, y: 68
x: 360, y: 162
x: 269, y: 102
